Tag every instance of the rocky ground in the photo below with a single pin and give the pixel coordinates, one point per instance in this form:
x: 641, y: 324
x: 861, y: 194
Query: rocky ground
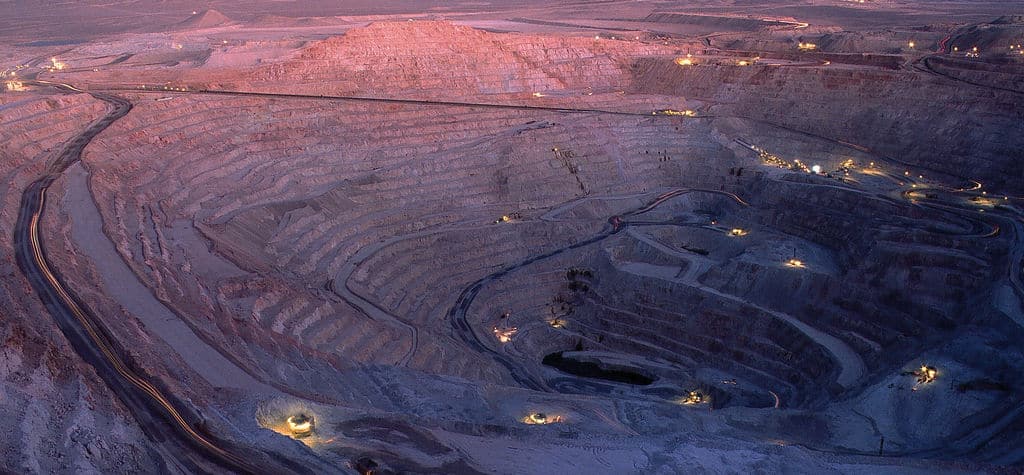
x: 425, y: 230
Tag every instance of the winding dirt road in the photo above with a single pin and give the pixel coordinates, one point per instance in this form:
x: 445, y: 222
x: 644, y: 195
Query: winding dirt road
x: 177, y: 431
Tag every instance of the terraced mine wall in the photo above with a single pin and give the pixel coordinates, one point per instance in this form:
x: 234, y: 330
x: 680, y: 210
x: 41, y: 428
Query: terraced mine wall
x: 895, y: 114
x: 899, y: 279
x: 1005, y: 75
x: 440, y: 60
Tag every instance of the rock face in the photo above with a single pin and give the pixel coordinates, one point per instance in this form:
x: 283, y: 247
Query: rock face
x: 560, y: 231
x: 440, y: 60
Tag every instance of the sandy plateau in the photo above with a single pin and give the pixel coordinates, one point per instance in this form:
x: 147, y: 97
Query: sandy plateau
x: 512, y: 237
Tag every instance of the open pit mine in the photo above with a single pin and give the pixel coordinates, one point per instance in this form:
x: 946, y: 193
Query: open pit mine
x: 523, y: 237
